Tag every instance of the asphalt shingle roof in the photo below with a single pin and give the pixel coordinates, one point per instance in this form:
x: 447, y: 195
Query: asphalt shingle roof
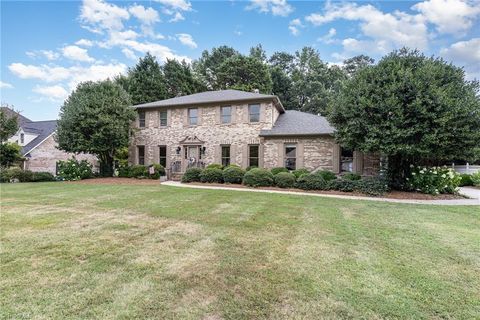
x: 12, y: 113
x: 42, y: 128
x: 297, y: 123
x: 208, y: 97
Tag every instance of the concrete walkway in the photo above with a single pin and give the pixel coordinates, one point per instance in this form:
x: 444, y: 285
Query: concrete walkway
x: 474, y: 194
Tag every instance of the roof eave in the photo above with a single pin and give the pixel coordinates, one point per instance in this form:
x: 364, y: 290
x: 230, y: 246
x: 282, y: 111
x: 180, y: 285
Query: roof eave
x: 277, y: 103
x: 268, y: 135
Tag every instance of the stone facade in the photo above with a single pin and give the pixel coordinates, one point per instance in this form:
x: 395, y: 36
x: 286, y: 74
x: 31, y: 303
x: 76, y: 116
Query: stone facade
x: 45, y: 156
x: 209, y: 135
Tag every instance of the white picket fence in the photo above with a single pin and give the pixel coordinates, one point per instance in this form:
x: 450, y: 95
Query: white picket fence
x: 468, y: 168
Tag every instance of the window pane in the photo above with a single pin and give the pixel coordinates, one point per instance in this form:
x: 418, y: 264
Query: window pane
x: 163, y: 118
x: 253, y: 156
x: 163, y: 156
x: 226, y: 113
x: 141, y: 155
x: 254, y: 151
x: 290, y: 157
x: 141, y: 119
x: 291, y: 163
x: 193, y: 116
x: 225, y: 155
x: 254, y: 112
x: 290, y: 152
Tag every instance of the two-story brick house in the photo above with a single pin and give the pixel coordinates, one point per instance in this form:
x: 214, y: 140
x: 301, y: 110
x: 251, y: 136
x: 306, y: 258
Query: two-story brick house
x: 237, y: 127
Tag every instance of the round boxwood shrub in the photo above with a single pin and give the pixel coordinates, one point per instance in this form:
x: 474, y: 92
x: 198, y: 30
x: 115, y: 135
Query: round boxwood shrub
x: 276, y: 170
x: 158, y: 170
x: 466, y: 180
x: 192, y: 175
x: 299, y: 172
x: 233, y: 174
x: 16, y: 173
x: 326, y: 175
x: 285, y: 180
x: 42, y: 176
x: 351, y: 176
x: 138, y: 171
x: 212, y: 175
x: 215, y: 166
x: 124, y: 171
x: 258, y: 178
x: 311, y: 182
x: 250, y: 168
x: 342, y: 185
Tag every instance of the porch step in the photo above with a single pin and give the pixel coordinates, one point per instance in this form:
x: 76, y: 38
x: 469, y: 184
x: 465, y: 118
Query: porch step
x: 176, y: 176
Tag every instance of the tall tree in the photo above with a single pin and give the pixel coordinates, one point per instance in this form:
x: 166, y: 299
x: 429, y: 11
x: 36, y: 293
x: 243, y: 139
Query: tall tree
x: 245, y: 73
x: 95, y: 119
x: 281, y: 65
x: 207, y: 66
x: 412, y: 109
x: 258, y: 52
x: 145, y: 81
x: 179, y: 79
x: 8, y: 126
x: 352, y: 65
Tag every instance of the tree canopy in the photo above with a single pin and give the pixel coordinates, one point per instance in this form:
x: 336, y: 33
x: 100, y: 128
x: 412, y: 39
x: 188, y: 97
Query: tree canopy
x: 96, y: 119
x: 8, y: 126
x: 410, y: 108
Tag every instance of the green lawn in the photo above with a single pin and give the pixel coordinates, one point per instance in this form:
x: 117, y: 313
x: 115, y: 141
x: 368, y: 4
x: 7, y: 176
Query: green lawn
x: 99, y: 251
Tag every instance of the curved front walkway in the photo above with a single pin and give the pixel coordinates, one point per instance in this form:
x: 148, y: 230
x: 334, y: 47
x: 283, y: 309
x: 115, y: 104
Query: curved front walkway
x: 474, y: 194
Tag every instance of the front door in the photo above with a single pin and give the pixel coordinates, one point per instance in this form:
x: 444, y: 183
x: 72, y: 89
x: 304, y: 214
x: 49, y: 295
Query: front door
x: 191, y: 157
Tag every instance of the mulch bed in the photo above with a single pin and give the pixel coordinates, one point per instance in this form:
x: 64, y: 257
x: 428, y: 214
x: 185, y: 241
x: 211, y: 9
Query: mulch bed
x: 391, y: 195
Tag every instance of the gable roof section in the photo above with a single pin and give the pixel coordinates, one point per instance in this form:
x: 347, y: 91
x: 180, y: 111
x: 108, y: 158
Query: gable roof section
x: 222, y: 96
x: 297, y: 123
x: 44, y: 129
x: 12, y: 113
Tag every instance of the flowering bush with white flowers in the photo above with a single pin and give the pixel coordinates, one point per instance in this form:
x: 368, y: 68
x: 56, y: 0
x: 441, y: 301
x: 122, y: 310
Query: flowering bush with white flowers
x: 73, y: 169
x: 434, y: 180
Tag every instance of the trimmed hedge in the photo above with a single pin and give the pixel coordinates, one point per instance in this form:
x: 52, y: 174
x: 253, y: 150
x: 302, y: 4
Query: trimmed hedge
x: 299, y: 172
x: 476, y: 179
x: 373, y: 186
x: 326, y: 175
x: 192, y: 175
x: 342, y: 185
x: 351, y: 176
x: 284, y: 180
x: 215, y: 166
x: 15, y: 173
x: 276, y: 170
x: 138, y: 171
x: 466, y: 180
x: 159, y: 170
x: 311, y: 182
x: 250, y: 168
x: 42, y: 177
x: 233, y: 174
x: 212, y: 175
x: 258, y: 178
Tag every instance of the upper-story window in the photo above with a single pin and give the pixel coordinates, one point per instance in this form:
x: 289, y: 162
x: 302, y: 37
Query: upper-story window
x: 226, y: 114
x: 163, y: 119
x: 22, y: 138
x: 254, y: 112
x: 141, y: 119
x: 193, y: 116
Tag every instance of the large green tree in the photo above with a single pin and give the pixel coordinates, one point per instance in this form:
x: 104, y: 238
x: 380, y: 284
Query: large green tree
x: 281, y: 65
x: 95, y: 119
x: 352, y: 65
x: 8, y: 126
x: 145, y: 81
x: 244, y: 73
x: 412, y: 109
x: 207, y: 66
x: 179, y: 79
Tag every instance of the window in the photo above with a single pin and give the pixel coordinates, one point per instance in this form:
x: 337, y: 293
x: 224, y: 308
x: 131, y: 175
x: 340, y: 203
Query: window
x: 163, y: 156
x: 226, y: 114
x: 22, y: 138
x: 163, y: 118
x: 346, y: 160
x: 141, y: 155
x: 141, y: 119
x: 254, y: 112
x: 253, y: 156
x: 225, y: 156
x: 193, y: 116
x: 290, y: 156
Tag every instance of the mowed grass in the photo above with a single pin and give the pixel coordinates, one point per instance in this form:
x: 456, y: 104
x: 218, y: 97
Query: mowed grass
x: 75, y: 251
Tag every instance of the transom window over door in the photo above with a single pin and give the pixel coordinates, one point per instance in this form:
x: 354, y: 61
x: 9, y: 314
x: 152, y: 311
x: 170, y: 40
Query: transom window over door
x: 141, y: 119
x: 225, y: 156
x: 193, y: 116
x: 226, y: 114
x: 253, y: 155
x: 163, y: 156
x: 254, y: 112
x: 163, y: 118
x: 290, y: 156
x: 141, y: 155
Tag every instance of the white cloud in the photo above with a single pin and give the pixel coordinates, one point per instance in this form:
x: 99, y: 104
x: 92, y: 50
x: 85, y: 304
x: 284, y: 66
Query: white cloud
x: 177, y: 17
x: 42, y: 72
x: 161, y: 52
x: 76, y: 53
x: 181, y: 5
x: 275, y: 7
x: 84, y: 43
x: 465, y: 53
x: 186, y: 40
x: 328, y: 38
x: 294, y: 26
x: 5, y: 85
x: 54, y: 93
x: 449, y: 16
x: 129, y: 54
x: 49, y: 54
x: 145, y: 15
x: 102, y: 15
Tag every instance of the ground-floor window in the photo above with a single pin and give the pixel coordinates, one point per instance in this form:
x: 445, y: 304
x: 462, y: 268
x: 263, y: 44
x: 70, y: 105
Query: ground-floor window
x: 225, y: 156
x: 141, y: 155
x: 163, y: 156
x: 290, y: 156
x: 253, y: 155
x: 346, y: 160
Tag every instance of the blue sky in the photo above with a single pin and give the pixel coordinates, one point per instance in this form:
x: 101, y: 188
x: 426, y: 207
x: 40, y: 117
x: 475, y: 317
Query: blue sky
x: 47, y: 48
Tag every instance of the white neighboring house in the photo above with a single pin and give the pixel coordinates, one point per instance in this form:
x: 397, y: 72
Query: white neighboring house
x: 39, y: 148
